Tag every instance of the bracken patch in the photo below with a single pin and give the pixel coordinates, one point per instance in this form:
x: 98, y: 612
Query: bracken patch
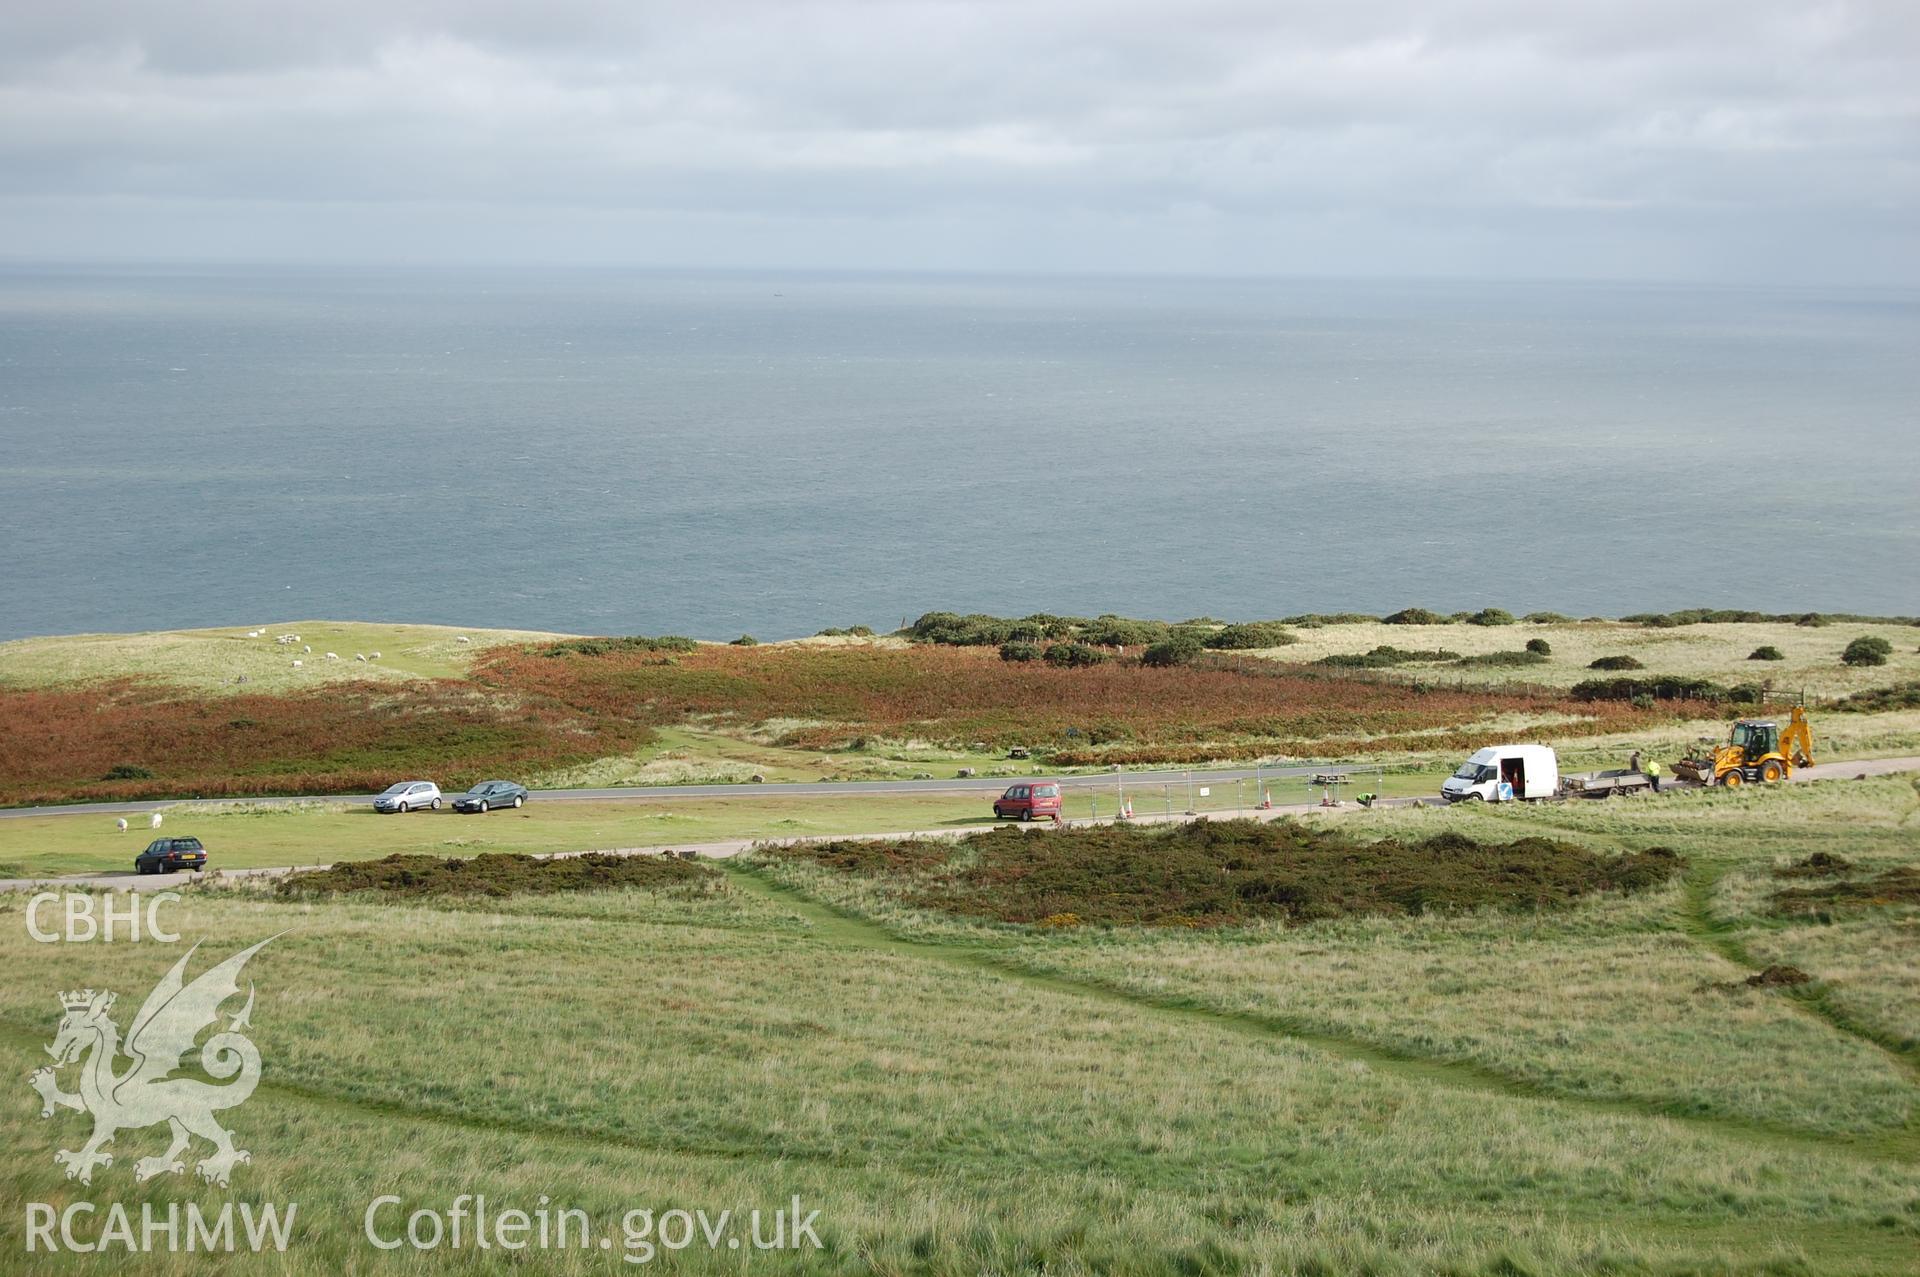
x: 1219, y: 873
x: 497, y: 875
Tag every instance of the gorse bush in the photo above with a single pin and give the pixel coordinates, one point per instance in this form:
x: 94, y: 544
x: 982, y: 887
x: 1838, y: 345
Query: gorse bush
x: 1540, y: 647
x: 1019, y: 650
x: 1415, y: 616
x: 1179, y: 649
x: 1767, y: 653
x: 127, y: 771
x: 612, y: 646
x: 1385, y: 657
x: 1547, y: 618
x: 1491, y: 616
x: 1315, y: 620
x: 1074, y: 655
x: 1118, y: 631
x: 746, y: 640
x: 1868, y: 649
x: 950, y: 629
x: 1501, y: 660
x: 1656, y: 688
x: 1250, y: 635
x: 1616, y: 663
x: 1880, y: 699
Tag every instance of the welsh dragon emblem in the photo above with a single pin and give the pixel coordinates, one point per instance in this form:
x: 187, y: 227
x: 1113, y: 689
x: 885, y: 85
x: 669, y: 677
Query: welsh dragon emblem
x: 143, y: 1093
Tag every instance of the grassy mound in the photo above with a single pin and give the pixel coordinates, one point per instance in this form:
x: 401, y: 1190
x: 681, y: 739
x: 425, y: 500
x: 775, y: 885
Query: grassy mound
x: 496, y: 875
x: 1897, y: 886
x: 1219, y: 873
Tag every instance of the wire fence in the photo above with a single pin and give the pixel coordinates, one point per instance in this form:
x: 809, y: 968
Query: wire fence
x: 1199, y: 794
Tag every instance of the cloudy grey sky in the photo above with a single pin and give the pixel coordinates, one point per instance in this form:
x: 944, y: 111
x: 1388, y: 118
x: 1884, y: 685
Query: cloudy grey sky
x: 1692, y: 139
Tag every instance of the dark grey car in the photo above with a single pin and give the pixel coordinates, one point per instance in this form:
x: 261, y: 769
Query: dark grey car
x: 489, y: 794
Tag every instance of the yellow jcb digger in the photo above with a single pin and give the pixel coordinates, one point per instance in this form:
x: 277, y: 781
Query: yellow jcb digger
x: 1757, y: 751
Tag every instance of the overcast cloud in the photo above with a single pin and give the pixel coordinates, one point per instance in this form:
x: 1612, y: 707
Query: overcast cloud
x: 1721, y: 139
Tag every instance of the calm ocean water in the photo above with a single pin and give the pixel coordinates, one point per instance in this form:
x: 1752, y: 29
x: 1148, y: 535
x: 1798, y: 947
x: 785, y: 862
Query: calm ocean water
x: 712, y: 454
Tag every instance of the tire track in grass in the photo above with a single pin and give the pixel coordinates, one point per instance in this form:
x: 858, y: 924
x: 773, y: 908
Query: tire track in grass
x: 836, y: 925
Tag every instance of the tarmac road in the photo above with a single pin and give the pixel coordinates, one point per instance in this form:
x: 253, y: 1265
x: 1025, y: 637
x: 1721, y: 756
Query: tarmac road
x: 791, y: 789
x: 721, y: 850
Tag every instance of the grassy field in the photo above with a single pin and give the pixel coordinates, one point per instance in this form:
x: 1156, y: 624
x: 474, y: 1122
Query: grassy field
x: 212, y: 661
x: 1614, y: 1000
x: 1811, y: 654
x: 249, y: 835
x: 962, y: 1097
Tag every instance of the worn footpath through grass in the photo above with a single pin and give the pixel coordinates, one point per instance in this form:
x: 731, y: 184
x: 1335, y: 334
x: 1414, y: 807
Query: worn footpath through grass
x: 1615, y: 999
x: 732, y: 1045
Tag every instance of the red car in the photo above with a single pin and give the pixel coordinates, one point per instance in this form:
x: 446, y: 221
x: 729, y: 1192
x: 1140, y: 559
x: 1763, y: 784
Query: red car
x: 1036, y: 801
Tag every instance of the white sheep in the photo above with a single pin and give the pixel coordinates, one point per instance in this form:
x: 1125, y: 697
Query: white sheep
x: 307, y: 648
x: 374, y: 656
x: 121, y: 824
x: 461, y: 638
x: 298, y: 663
x: 332, y: 657
x: 154, y: 821
x: 359, y: 656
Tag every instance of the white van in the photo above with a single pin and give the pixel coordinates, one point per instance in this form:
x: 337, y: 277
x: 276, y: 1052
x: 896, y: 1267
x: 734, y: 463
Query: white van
x: 1501, y: 773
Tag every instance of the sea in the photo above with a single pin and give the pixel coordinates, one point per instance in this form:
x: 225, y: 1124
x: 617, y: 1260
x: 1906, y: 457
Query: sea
x: 713, y: 454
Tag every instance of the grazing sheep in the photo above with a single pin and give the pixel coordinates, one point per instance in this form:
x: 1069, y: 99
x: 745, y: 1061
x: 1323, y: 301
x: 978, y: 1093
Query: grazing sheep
x: 307, y: 648
x: 461, y: 638
x: 121, y: 824
x: 154, y: 821
x: 359, y: 656
x: 297, y: 664
x: 374, y: 657
x: 332, y: 657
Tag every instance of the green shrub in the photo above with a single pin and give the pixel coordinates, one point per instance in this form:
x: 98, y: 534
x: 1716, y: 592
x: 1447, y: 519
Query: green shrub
x: 1074, y: 655
x: 127, y: 771
x: 1020, y: 651
x: 1314, y: 620
x: 1616, y: 663
x: 1491, y: 616
x: 1179, y: 649
x: 1767, y: 653
x: 860, y: 631
x: 1249, y: 635
x: 1119, y: 631
x: 1652, y: 620
x: 1876, y: 700
x: 1385, y: 657
x: 1415, y: 616
x: 1540, y: 647
x: 1547, y: 618
x: 1501, y: 660
x: 1812, y: 620
x: 1868, y: 649
x: 746, y: 640
x: 631, y: 643
x: 1647, y: 690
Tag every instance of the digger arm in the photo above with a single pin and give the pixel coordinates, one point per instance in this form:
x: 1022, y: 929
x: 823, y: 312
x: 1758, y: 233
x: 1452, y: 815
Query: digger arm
x: 1796, y: 743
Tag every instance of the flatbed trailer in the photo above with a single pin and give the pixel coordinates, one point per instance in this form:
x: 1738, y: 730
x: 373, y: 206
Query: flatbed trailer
x: 1606, y: 784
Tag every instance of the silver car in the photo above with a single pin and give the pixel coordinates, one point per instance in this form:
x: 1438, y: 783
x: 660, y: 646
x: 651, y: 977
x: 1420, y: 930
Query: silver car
x: 409, y: 795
